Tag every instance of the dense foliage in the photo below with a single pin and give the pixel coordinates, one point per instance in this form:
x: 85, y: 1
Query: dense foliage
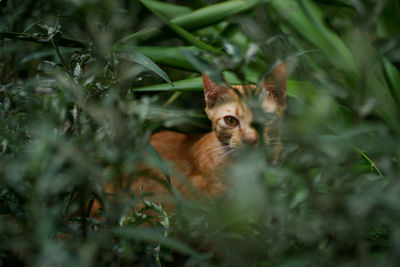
x: 84, y: 84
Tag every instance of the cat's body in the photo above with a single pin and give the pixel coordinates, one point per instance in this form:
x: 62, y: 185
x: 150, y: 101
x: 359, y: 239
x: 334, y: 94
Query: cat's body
x: 195, y: 156
x: 196, y: 160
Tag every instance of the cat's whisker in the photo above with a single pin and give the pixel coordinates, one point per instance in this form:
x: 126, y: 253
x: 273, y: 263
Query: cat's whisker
x: 214, y: 146
x: 198, y: 157
x: 226, y: 152
x: 217, y: 145
x: 209, y: 147
x: 217, y: 149
x: 220, y: 151
x: 274, y: 143
x: 223, y: 156
x: 281, y: 138
x: 277, y: 139
x: 274, y: 138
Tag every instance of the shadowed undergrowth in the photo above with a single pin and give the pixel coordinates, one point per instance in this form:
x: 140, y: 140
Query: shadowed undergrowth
x: 84, y: 84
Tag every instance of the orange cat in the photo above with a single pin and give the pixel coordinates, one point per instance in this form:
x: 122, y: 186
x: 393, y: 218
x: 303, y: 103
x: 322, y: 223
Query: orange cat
x: 196, y: 159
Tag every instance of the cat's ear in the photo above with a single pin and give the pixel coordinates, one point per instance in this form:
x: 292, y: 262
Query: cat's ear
x: 275, y: 84
x: 212, y: 91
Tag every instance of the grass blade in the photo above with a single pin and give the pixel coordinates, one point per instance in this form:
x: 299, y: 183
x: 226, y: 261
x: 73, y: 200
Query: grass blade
x: 294, y: 88
x: 139, y: 58
x: 188, y: 85
x: 392, y: 78
x: 215, y: 13
x: 307, y: 19
x: 160, y: 161
x: 168, y: 56
x: 61, y: 41
x: 168, y: 10
x: 339, y: 3
x: 198, y: 19
x: 150, y: 235
x: 181, y: 32
x: 371, y: 163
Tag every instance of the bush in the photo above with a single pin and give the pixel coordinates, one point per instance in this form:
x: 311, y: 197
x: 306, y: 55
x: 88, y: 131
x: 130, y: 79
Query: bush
x: 84, y: 84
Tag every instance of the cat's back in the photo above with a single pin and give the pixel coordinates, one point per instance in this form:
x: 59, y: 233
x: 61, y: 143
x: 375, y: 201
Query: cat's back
x: 175, y: 146
x: 191, y: 155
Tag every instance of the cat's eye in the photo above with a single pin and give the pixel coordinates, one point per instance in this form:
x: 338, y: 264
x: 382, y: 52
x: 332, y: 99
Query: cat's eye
x: 231, y: 121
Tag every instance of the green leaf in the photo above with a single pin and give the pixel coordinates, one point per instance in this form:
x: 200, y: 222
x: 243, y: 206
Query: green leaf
x: 39, y: 54
x: 371, y: 163
x: 392, y: 78
x: 214, y: 13
x: 339, y: 3
x: 62, y: 41
x: 152, y: 236
x: 160, y: 161
x: 308, y: 21
x: 199, y: 18
x: 203, y: 67
x: 138, y: 58
x: 168, y: 10
x: 389, y: 48
x: 181, y: 32
x: 170, y: 56
x: 188, y: 85
x: 294, y: 88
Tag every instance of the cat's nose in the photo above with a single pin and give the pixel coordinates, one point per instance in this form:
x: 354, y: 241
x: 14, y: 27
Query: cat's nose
x: 251, y: 140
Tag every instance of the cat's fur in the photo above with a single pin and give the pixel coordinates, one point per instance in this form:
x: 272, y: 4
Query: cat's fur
x: 196, y: 159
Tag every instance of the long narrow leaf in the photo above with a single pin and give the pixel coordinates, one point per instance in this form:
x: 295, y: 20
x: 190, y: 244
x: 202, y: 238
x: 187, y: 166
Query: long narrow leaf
x: 339, y: 3
x: 139, y: 58
x: 181, y: 32
x: 392, y: 78
x: 198, y: 19
x: 155, y: 237
x: 168, y: 10
x: 189, y: 85
x: 307, y: 19
x: 294, y: 88
x: 150, y: 149
x: 169, y: 56
x: 212, y: 14
x: 62, y: 41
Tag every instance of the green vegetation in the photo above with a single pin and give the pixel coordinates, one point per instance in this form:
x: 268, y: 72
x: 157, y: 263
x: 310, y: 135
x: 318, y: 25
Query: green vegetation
x: 84, y: 84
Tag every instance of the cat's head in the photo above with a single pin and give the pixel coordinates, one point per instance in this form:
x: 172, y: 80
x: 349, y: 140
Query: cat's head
x: 232, y: 118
